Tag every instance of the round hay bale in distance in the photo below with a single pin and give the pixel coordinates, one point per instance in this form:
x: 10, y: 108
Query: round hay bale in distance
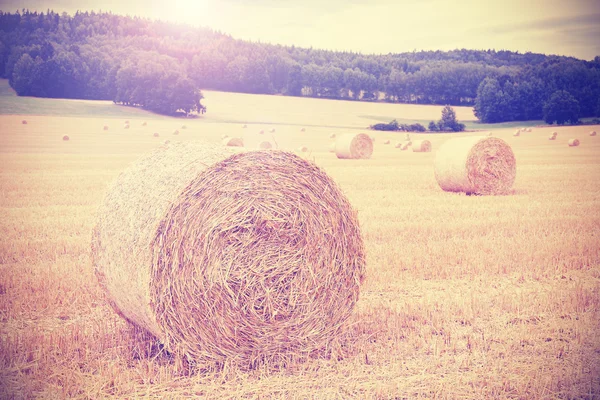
x: 553, y: 136
x: 105, y: 127
x: 573, y: 142
x: 24, y: 122
x: 126, y: 126
x: 303, y: 149
x: 244, y: 257
x: 332, y: 136
x: 183, y: 127
x: 176, y: 132
x: 272, y: 130
x: 398, y: 145
x: 593, y: 133
x: 405, y: 145
x: 156, y: 134
x: 421, y: 146
x: 302, y: 129
x: 354, y: 146
x: 233, y: 142
x: 166, y: 142
x: 66, y: 137
x: 261, y: 132
x: 387, y: 141
x: 144, y: 123
x: 517, y: 133
x: 407, y: 137
x: 476, y: 164
x: 265, y: 145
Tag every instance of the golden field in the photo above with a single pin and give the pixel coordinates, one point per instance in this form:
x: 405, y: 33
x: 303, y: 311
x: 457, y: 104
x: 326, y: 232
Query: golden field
x: 465, y: 296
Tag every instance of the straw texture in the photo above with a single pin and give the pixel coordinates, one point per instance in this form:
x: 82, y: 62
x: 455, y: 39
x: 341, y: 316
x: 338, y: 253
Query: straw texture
x: 477, y: 164
x: 421, y: 146
x: 246, y: 257
x: 353, y: 146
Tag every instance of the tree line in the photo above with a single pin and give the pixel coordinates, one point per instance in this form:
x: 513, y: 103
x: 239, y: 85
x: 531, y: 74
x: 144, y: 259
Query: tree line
x: 162, y: 66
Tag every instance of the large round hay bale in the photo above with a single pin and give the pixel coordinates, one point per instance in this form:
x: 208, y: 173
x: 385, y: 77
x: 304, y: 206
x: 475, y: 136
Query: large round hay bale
x: 476, y: 164
x: 573, y: 142
x: 354, y: 146
x: 233, y: 142
x: 24, y: 122
x: 421, y: 146
x: 245, y: 257
x: 593, y: 133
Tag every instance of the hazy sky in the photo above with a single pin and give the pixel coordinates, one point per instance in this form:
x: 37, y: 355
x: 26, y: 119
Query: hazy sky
x: 380, y: 26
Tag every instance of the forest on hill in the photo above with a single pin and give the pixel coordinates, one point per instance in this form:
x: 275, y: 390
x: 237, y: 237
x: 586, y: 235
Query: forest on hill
x: 163, y: 67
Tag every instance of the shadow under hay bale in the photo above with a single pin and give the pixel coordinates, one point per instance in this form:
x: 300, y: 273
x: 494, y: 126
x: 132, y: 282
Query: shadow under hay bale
x: 354, y: 146
x: 242, y: 258
x: 573, y: 142
x: 421, y: 146
x: 233, y: 142
x: 66, y: 137
x: 477, y: 165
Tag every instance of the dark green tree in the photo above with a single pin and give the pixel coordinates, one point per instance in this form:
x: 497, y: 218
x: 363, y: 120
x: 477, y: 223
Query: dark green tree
x: 448, y: 122
x: 561, y: 108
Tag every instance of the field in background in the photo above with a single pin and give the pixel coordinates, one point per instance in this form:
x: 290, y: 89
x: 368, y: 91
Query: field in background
x: 465, y: 297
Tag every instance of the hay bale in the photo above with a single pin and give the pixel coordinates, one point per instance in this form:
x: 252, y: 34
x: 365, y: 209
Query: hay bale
x: 475, y: 164
x: 243, y: 258
x: 66, y: 137
x: 175, y: 132
x: 167, y: 142
x: 332, y: 136
x: 24, y: 122
x: 224, y: 136
x: 244, y: 126
x: 261, y: 132
x: 105, y: 127
x: 387, y: 141
x: 407, y: 137
x: 302, y: 129
x: 272, y: 130
x: 593, y: 133
x: 156, y: 134
x: 517, y: 133
x: 421, y: 146
x: 354, y: 146
x: 573, y: 142
x: 266, y: 145
x: 528, y: 129
x: 126, y: 126
x: 303, y: 149
x: 233, y: 142
x: 405, y: 145
x: 183, y: 127
x: 144, y: 123
x: 398, y: 145
x: 553, y: 136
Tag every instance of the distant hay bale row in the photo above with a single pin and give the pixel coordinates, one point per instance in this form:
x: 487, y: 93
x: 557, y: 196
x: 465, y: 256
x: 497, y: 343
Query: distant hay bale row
x: 233, y: 142
x: 421, y: 146
x: 354, y: 146
x: 478, y: 165
x: 242, y: 258
x: 553, y: 136
x: 573, y: 142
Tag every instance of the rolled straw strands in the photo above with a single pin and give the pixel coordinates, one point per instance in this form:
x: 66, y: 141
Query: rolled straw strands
x: 421, y: 146
x: 228, y: 257
x: 477, y: 164
x: 573, y: 142
x: 353, y: 146
x: 233, y: 142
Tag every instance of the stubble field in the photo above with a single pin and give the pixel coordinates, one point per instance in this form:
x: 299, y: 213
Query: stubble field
x: 465, y: 296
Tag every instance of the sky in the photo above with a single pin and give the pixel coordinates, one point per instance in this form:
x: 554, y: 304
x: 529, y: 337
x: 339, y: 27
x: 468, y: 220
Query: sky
x: 562, y: 27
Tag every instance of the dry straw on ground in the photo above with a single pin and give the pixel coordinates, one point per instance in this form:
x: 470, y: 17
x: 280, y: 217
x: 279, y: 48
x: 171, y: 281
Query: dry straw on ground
x: 476, y: 164
x: 66, y: 137
x: 233, y: 142
x: 573, y: 142
x: 249, y: 257
x: 421, y: 146
x: 354, y: 146
x: 593, y: 133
